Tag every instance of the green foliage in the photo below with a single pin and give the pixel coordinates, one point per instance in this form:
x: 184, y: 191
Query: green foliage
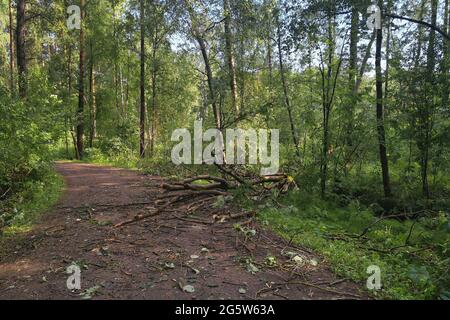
x: 27, y: 130
x: 413, y: 255
x: 23, y: 208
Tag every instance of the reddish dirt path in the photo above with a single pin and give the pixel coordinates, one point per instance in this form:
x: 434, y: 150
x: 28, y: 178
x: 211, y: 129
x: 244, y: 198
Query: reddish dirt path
x: 151, y: 259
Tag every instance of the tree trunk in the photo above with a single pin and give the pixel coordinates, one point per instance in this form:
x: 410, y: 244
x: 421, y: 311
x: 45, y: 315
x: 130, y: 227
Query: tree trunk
x: 210, y: 79
x: 11, y: 48
x: 428, y: 114
x: 418, y: 51
x: 21, y: 49
x: 127, y: 87
x: 285, y: 90
x: 142, y: 83
x: 380, y: 116
x: 445, y: 60
x: 352, y: 75
x: 388, y: 54
x: 154, y: 92
x: 69, y: 94
x: 353, y: 62
x: 80, y: 111
x: 230, y: 56
x: 327, y: 96
x: 270, y: 62
x: 362, y: 69
x: 116, y: 68
x: 92, y: 100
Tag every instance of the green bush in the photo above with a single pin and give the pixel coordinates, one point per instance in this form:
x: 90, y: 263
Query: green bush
x: 27, y: 130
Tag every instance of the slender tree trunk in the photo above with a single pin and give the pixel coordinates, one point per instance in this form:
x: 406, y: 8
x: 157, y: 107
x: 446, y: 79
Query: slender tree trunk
x: 127, y: 87
x: 142, y: 83
x: 269, y: 54
x: 418, y: 51
x: 414, y: 129
x: 362, y: 69
x: 380, y: 116
x: 445, y: 60
x: 92, y: 99
x: 242, y: 73
x: 81, y: 97
x: 388, y: 56
x: 353, y: 62
x: 122, y: 94
x: 230, y: 56
x: 11, y: 48
x: 154, y: 91
x: 327, y: 96
x: 428, y: 114
x: 21, y: 49
x: 69, y: 72
x: 69, y: 93
x: 285, y: 90
x: 210, y: 79
x: 352, y: 75
x: 116, y: 68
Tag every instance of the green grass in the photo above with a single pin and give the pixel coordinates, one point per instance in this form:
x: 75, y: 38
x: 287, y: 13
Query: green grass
x: 34, y: 198
x: 417, y: 271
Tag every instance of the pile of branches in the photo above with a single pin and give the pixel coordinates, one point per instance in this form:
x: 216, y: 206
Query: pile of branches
x: 189, y: 195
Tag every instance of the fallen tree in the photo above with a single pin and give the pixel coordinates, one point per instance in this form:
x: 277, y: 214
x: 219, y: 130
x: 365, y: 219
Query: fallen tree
x: 204, y: 191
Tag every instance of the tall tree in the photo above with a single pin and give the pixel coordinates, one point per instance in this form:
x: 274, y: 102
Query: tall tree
x: 329, y: 78
x: 92, y: 97
x: 388, y: 55
x: 142, y: 81
x: 380, y: 113
x: 154, y: 76
x: 210, y: 79
x: 426, y: 113
x: 446, y: 58
x: 230, y: 56
x: 287, y: 101
x: 81, y: 97
x: 11, y: 47
x: 199, y: 33
x: 352, y: 73
x: 21, y: 47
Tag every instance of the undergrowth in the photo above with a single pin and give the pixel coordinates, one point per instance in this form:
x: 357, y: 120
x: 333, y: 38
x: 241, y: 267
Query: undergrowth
x: 413, y: 255
x: 20, y: 211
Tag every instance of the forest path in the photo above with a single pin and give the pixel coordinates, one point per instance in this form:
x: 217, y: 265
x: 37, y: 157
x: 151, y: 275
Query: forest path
x: 155, y: 258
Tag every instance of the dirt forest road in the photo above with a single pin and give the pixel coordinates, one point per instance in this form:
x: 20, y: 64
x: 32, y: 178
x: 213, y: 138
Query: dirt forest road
x: 169, y: 256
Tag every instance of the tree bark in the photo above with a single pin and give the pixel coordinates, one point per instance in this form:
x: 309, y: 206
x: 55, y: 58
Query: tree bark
x: 327, y: 101
x: 230, y: 56
x: 116, y: 76
x: 142, y: 83
x: 154, y: 91
x: 352, y: 75
x: 21, y: 49
x: 418, y: 51
x: 92, y: 99
x: 446, y: 58
x: 69, y: 94
x: 285, y: 90
x: 210, y: 79
x: 362, y: 69
x: 388, y: 54
x: 11, y: 48
x: 380, y: 116
x: 428, y: 114
x: 81, y: 97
